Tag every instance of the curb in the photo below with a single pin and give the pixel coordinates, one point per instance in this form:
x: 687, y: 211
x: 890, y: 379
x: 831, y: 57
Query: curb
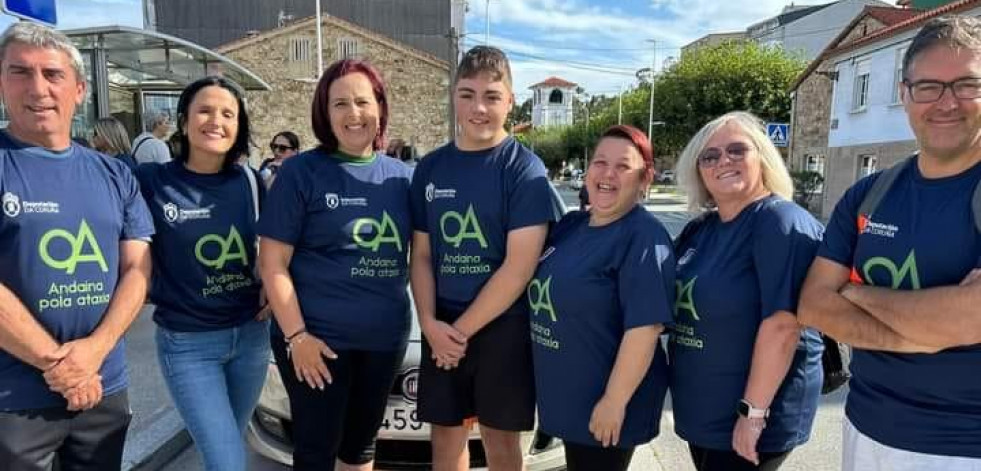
x: 159, y: 443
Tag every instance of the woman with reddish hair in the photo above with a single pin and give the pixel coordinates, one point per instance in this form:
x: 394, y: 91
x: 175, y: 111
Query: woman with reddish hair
x: 334, y: 263
x: 597, y: 314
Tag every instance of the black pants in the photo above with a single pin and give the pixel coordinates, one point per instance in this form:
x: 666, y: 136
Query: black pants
x: 341, y: 421
x: 92, y: 440
x: 727, y: 460
x: 593, y: 458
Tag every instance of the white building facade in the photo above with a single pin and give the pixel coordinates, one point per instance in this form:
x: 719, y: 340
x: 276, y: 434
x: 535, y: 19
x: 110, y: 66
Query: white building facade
x: 869, y: 129
x: 552, y: 102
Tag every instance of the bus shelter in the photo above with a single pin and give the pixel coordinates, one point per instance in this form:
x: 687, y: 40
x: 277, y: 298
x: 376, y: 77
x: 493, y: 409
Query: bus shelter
x: 134, y: 72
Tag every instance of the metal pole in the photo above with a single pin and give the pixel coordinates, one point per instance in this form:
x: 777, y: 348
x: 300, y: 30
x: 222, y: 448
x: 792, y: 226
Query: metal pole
x: 487, y: 22
x: 320, y: 43
x: 650, y: 112
x: 620, y: 106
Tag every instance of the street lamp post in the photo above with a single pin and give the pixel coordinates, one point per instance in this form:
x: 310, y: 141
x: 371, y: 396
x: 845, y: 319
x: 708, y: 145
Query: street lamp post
x: 650, y: 111
x: 320, y: 43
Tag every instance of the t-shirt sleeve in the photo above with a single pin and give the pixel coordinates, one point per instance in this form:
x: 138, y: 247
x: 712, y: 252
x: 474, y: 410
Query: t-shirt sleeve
x: 645, y: 280
x: 417, y: 195
x: 137, y: 221
x: 284, y: 209
x: 785, y: 241
x: 529, y: 197
x: 841, y: 234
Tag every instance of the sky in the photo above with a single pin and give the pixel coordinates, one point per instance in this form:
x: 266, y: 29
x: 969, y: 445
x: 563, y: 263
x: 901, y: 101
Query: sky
x: 599, y: 44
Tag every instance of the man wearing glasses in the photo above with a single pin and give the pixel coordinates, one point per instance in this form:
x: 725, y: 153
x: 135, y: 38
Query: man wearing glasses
x: 899, y: 281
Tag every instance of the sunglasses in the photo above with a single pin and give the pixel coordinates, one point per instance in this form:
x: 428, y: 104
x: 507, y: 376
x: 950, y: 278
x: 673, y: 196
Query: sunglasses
x: 279, y: 148
x: 710, y: 157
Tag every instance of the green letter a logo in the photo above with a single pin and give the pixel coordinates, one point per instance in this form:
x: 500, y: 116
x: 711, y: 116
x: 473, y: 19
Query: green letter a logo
x: 468, y: 228
x: 539, y: 298
x: 685, y: 301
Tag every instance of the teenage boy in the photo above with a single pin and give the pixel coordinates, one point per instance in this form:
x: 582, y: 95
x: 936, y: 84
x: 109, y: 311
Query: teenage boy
x: 481, y: 207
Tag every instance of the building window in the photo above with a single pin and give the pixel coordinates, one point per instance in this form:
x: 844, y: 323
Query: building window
x: 300, y: 50
x: 815, y: 163
x: 555, y: 97
x: 867, y: 165
x: 860, y: 93
x: 300, y: 58
x: 897, y: 78
x: 348, y: 48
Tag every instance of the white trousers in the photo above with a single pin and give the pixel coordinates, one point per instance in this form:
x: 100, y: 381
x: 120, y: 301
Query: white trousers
x: 861, y: 453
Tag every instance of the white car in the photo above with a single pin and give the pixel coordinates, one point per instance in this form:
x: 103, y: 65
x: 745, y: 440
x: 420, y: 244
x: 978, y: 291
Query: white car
x: 403, y: 441
x: 577, y: 182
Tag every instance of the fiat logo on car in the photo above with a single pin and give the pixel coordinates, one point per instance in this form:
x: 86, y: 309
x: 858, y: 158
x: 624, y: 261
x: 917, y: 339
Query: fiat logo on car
x: 410, y: 384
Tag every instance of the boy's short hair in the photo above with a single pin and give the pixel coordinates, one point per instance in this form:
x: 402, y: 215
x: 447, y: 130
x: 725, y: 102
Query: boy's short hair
x: 485, y: 60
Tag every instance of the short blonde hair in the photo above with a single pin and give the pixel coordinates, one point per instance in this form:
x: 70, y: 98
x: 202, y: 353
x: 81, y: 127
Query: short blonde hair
x: 776, y: 178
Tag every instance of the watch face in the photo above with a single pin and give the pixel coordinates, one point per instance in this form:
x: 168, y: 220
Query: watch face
x: 743, y: 409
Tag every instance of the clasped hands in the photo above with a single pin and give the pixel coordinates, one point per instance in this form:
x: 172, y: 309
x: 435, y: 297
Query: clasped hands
x: 72, y: 370
x: 448, y: 344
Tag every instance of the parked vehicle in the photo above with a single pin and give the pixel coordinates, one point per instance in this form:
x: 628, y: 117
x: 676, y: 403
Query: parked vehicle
x: 403, y: 441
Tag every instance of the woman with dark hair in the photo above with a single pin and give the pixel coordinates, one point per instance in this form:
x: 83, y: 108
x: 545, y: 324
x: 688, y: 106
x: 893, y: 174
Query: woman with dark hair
x: 597, y: 314
x: 283, y: 145
x: 334, y: 247
x: 110, y: 137
x: 212, y: 332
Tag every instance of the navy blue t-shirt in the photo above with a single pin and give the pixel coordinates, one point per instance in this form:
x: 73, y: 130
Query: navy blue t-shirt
x: 349, y: 224
x: 64, y: 216
x: 922, y: 235
x: 468, y: 201
x: 592, y: 285
x: 204, y: 252
x: 732, y: 276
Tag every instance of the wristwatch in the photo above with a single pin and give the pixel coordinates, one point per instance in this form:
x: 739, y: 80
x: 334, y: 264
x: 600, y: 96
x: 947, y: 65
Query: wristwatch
x: 745, y: 409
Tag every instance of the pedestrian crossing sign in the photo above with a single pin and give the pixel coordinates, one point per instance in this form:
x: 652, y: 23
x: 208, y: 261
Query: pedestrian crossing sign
x: 778, y: 133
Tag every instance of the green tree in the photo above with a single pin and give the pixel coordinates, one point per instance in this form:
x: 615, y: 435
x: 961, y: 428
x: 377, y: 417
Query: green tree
x: 712, y: 81
x: 519, y: 114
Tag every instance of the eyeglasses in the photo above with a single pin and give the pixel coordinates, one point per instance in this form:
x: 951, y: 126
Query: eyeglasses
x: 710, y: 157
x: 279, y: 148
x: 929, y: 91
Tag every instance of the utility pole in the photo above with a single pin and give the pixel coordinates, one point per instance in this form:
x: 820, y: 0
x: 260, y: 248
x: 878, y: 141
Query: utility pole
x: 620, y: 106
x: 487, y: 22
x: 320, y: 43
x: 650, y: 111
x: 455, y: 58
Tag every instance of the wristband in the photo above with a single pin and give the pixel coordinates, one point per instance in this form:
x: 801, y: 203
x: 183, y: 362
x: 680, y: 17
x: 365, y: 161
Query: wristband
x: 289, y: 338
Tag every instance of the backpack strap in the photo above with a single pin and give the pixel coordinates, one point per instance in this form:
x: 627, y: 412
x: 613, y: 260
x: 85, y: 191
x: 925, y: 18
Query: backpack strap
x: 254, y: 186
x: 881, y: 186
x: 976, y: 207
x: 143, y: 141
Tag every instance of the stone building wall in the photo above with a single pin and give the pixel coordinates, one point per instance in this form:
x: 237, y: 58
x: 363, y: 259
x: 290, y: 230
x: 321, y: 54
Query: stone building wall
x: 417, y: 83
x: 842, y: 167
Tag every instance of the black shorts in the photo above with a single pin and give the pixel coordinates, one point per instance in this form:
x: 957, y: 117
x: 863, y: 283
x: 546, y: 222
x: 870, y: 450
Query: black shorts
x: 494, y: 382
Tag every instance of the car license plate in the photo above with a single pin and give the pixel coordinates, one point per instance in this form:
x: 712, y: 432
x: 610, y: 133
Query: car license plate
x: 402, y: 419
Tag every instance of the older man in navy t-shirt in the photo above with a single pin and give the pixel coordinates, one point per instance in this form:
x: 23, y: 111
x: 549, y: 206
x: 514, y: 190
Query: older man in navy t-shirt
x: 74, y: 267
x: 900, y: 282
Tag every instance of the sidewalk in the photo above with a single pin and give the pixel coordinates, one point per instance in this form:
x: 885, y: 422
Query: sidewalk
x: 157, y: 432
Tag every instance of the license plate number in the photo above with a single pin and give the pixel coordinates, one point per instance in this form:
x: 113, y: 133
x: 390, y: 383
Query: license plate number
x: 401, y: 419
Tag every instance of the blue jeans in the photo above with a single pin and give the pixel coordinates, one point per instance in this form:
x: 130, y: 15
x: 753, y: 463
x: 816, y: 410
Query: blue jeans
x: 215, y: 379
